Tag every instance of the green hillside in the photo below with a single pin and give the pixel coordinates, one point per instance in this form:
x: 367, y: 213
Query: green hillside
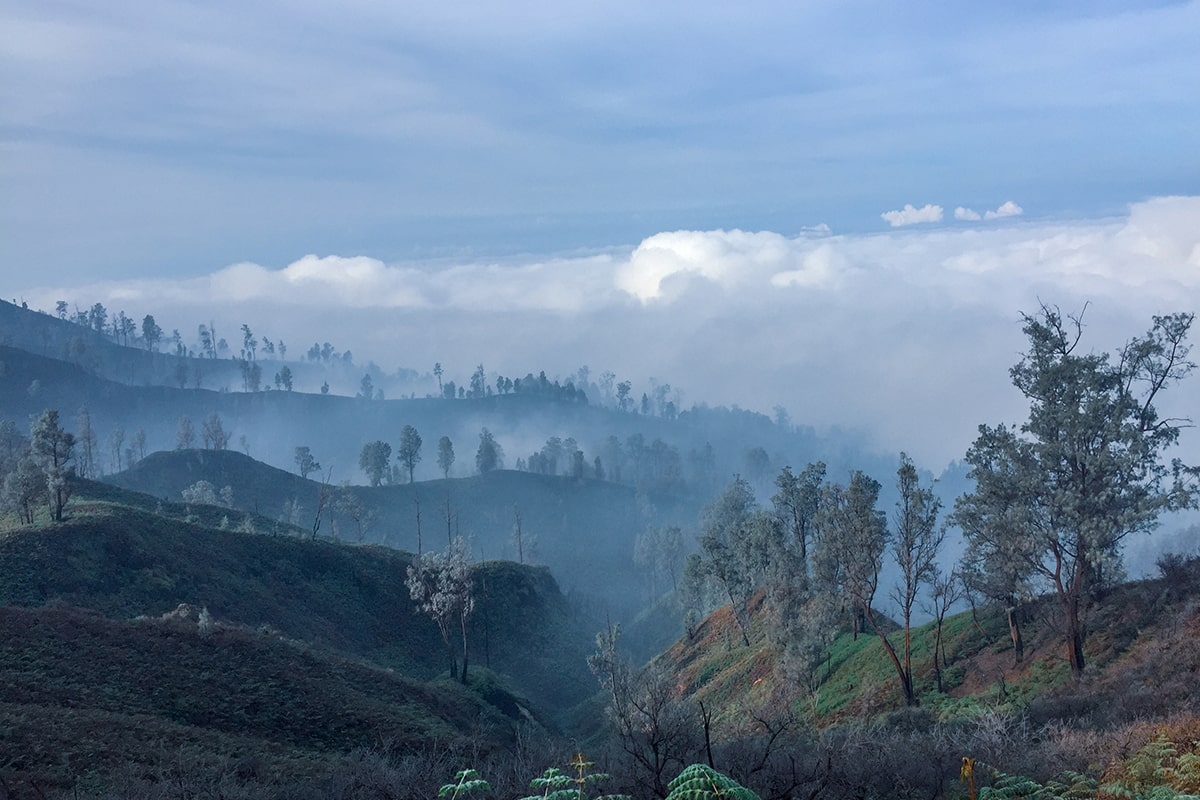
x: 1143, y: 655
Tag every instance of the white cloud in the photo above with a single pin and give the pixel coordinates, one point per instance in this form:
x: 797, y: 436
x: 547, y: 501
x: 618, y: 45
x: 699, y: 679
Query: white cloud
x: 909, y: 334
x: 1007, y: 209
x: 967, y: 214
x: 913, y: 216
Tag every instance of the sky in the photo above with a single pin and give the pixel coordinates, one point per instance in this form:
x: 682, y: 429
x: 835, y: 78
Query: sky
x: 842, y: 208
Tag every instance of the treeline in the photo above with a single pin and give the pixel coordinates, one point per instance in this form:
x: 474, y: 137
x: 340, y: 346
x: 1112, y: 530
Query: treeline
x: 1052, y: 503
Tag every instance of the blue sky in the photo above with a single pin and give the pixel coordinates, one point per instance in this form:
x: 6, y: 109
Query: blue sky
x: 607, y: 174
x: 179, y: 136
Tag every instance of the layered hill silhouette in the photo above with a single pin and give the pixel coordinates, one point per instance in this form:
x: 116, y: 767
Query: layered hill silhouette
x: 565, y: 523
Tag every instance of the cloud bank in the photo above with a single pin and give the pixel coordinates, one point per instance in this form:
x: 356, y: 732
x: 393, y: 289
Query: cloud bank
x: 908, y: 334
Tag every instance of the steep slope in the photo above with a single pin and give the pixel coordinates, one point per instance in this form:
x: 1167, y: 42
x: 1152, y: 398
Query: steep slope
x: 87, y: 698
x: 126, y: 562
x: 1141, y: 649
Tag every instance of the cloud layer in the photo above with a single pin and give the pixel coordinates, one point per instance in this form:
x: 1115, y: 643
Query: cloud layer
x: 908, y: 334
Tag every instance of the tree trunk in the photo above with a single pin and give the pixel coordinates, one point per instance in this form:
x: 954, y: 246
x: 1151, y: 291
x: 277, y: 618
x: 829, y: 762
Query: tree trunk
x: 463, y: 624
x: 1014, y: 631
x: 937, y: 664
x: 1074, y: 637
x: 910, y: 696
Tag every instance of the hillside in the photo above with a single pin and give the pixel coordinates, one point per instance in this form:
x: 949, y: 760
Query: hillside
x: 558, y: 515
x: 86, y: 698
x: 124, y: 562
x: 1144, y: 664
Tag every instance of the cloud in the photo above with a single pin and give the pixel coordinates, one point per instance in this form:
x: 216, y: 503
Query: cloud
x: 912, y: 216
x: 907, y: 334
x: 1007, y: 209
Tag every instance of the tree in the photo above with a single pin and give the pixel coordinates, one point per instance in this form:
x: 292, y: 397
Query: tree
x: 374, y: 459
x: 185, y: 437
x: 54, y: 449
x: 758, y: 463
x: 249, y: 344
x: 623, y: 390
x: 489, y: 456
x: 796, y: 505
x: 657, y: 728
x: 445, y: 458
x: 138, y: 445
x: 945, y: 589
x: 116, y: 441
x: 734, y: 545
x: 97, y: 318
x: 659, y: 552
x: 348, y: 502
x: 854, y: 535
x: 1087, y: 466
x: 438, y: 372
x: 85, y: 461
x: 151, y: 333
x: 520, y: 539
x: 409, y: 452
x: 366, y: 388
x: 305, y: 462
x: 283, y: 378
x: 916, y: 541
x: 208, y: 345
x: 442, y: 585
x: 478, y: 383
x: 213, y: 433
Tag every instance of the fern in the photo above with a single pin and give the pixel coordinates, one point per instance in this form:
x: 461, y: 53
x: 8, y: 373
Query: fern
x: 558, y: 785
x: 701, y: 782
x: 1158, y: 771
x: 465, y: 782
x: 1068, y: 786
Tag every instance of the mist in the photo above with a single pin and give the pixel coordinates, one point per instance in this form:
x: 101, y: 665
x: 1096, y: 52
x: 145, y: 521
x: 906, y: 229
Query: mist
x: 906, y: 336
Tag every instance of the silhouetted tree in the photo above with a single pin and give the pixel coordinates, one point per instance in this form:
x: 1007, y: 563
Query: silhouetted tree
x: 490, y: 455
x: 151, y: 333
x: 374, y: 459
x: 445, y: 455
x: 305, y: 462
x: 409, y: 451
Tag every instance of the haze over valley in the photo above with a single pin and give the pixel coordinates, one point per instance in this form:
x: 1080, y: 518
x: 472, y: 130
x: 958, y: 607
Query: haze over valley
x: 663, y: 402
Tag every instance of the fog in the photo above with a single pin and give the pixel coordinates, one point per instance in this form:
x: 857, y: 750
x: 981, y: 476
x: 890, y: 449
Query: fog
x: 906, y: 336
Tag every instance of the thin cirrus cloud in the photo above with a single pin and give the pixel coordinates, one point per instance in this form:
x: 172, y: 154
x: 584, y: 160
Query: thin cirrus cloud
x: 906, y: 334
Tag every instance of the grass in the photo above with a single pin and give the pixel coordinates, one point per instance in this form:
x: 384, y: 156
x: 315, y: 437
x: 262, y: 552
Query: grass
x: 85, y: 694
